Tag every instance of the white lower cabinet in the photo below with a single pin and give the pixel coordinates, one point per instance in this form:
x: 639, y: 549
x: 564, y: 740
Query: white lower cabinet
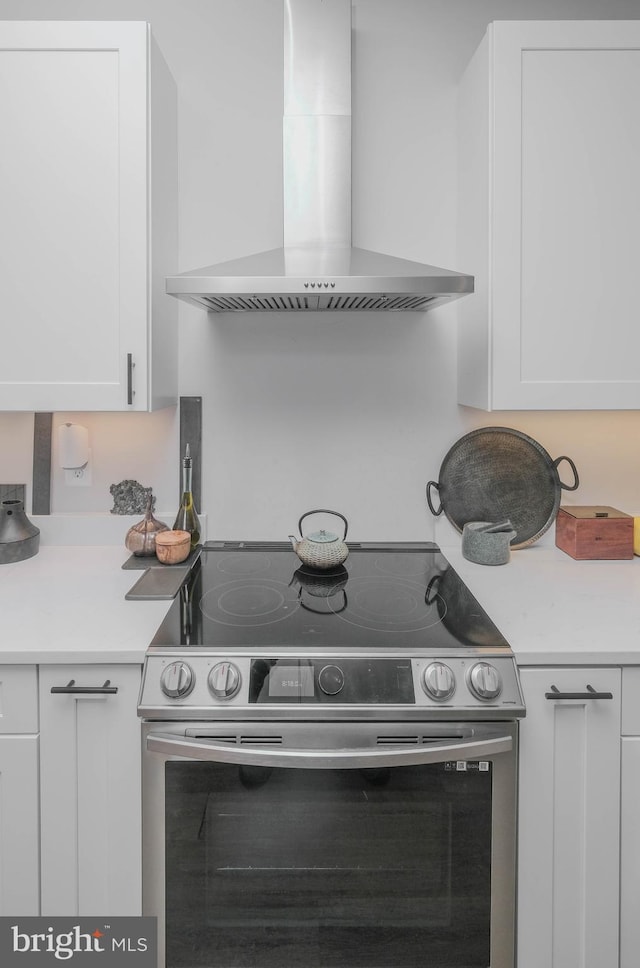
x: 630, y: 820
x: 19, y: 815
x: 90, y: 790
x: 569, y: 820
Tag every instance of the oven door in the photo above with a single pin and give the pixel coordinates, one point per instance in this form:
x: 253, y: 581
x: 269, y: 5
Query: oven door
x: 330, y: 845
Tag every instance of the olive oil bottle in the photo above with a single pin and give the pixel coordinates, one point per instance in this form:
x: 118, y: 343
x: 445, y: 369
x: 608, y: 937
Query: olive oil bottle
x: 187, y: 517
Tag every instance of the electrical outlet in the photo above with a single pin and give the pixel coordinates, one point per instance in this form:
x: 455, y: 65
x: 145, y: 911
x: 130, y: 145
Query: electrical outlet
x: 78, y: 476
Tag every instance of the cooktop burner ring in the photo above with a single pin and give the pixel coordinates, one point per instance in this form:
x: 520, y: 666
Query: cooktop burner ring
x: 390, y: 604
x: 250, y: 603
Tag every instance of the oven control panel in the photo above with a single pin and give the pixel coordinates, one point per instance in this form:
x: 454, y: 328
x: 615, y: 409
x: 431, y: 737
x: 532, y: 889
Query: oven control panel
x: 207, y: 684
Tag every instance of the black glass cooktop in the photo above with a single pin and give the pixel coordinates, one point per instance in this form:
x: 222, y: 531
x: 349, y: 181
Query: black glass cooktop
x: 386, y: 596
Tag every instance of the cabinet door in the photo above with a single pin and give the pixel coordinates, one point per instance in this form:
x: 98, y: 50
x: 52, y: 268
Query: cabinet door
x: 90, y: 791
x: 19, y: 815
x: 569, y: 800
x: 630, y: 819
x: 630, y: 853
x: 73, y: 209
x: 552, y: 233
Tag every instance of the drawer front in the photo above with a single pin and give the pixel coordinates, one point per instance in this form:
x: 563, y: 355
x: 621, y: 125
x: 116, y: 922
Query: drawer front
x: 18, y: 699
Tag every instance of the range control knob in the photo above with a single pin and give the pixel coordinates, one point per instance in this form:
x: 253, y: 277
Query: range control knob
x: 439, y: 681
x: 177, y: 680
x: 484, y: 681
x: 331, y: 680
x: 224, y: 680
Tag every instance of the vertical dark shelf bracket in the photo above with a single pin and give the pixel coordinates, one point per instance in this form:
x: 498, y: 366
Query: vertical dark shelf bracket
x: 41, y: 493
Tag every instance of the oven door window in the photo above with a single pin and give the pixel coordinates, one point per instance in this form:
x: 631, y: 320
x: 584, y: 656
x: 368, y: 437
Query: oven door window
x: 328, y: 868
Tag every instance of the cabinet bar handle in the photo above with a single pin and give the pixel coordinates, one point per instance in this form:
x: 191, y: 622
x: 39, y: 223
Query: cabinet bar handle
x: 71, y: 688
x: 130, y: 390
x: 591, y: 693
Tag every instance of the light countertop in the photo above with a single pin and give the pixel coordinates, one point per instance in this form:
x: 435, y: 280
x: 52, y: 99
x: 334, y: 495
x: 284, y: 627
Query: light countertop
x: 554, y: 610
x: 67, y: 604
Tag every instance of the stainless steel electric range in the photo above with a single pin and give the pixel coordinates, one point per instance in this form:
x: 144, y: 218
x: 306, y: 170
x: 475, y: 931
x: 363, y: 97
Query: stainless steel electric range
x: 393, y: 634
x: 329, y: 765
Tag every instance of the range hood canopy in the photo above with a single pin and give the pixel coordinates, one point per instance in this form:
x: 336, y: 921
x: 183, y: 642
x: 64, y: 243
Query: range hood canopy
x: 317, y: 268
x: 337, y: 278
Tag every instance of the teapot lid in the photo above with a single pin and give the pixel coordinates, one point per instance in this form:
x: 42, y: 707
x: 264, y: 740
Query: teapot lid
x: 322, y: 537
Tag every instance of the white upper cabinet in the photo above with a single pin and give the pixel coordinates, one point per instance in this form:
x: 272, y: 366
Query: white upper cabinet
x: 85, y: 108
x: 549, y: 209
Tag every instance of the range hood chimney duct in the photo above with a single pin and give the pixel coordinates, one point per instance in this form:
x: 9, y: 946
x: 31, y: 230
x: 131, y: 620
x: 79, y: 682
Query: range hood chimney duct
x: 317, y: 269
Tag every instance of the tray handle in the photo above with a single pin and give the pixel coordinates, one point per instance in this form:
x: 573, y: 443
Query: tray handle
x: 576, y: 479
x: 429, y: 501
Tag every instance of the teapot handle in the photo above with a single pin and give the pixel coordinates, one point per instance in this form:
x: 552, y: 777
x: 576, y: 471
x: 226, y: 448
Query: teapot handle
x: 324, y: 511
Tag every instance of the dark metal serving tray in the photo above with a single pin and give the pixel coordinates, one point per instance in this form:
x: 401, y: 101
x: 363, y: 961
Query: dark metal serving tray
x: 156, y: 584
x: 496, y: 473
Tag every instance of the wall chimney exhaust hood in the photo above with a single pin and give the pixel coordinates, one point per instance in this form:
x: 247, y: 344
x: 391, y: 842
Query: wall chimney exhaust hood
x: 317, y: 269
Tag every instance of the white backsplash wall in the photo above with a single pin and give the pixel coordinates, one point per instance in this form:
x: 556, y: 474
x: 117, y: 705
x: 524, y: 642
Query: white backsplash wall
x: 138, y: 446
x: 353, y: 412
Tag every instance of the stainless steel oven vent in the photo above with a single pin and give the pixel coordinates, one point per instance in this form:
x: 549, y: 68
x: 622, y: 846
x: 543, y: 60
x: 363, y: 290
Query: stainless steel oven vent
x: 317, y: 269
x: 237, y: 739
x: 261, y: 740
x: 398, y: 741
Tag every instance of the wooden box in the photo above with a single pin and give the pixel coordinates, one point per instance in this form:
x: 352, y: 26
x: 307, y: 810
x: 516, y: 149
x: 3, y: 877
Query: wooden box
x: 594, y: 531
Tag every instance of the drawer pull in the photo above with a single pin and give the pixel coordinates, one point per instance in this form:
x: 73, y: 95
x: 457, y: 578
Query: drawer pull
x: 72, y: 689
x: 591, y: 693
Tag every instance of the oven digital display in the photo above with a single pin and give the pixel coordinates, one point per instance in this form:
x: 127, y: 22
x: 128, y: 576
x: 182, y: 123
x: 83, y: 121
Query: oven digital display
x: 335, y: 681
x: 292, y: 681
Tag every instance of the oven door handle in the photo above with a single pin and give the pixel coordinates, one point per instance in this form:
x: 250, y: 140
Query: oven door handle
x: 486, y: 741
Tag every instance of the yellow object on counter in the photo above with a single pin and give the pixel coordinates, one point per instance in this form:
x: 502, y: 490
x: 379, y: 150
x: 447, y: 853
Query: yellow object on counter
x: 636, y: 536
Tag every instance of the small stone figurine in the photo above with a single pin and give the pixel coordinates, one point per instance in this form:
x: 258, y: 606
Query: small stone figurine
x: 129, y: 497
